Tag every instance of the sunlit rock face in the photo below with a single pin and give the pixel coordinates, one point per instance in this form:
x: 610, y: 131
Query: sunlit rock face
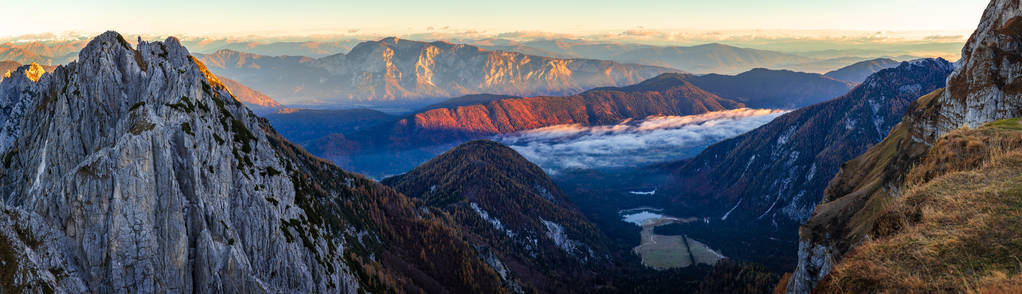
x: 396, y: 70
x: 393, y: 68
x: 984, y: 87
x: 136, y: 171
x: 34, y: 72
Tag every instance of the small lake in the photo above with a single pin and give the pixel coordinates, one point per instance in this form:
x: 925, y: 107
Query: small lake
x: 667, y: 251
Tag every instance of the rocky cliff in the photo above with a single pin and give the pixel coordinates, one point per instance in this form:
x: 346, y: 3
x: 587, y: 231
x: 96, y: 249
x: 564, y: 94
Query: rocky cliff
x: 983, y: 88
x: 404, y: 70
x: 136, y: 170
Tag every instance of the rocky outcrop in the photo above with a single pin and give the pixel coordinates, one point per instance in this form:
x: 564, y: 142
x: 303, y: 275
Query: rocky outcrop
x: 404, y: 70
x: 984, y: 87
x: 136, y: 170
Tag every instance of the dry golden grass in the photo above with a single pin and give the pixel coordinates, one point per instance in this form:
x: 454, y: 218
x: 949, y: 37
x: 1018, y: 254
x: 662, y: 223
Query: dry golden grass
x: 957, y: 227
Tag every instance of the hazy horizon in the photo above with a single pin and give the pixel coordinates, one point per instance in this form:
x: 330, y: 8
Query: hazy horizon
x: 672, y: 23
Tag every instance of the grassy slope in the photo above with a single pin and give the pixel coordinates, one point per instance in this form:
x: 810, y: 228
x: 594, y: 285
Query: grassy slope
x: 957, y: 227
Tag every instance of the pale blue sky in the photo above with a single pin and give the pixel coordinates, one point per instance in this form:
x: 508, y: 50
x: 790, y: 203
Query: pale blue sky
x: 298, y: 17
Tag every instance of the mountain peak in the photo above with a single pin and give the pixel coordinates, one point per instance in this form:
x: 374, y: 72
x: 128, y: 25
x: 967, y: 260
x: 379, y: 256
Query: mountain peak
x: 504, y: 202
x: 473, y: 155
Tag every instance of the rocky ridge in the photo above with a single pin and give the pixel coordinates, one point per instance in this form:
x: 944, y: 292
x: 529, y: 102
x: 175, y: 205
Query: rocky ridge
x: 984, y: 87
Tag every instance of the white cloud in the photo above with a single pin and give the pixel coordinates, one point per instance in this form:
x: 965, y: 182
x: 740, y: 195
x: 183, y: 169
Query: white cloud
x: 632, y: 143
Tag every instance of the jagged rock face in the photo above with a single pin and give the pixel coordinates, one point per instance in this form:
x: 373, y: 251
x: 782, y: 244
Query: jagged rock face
x: 777, y: 173
x: 138, y: 171
x: 148, y: 171
x: 403, y: 70
x: 984, y: 87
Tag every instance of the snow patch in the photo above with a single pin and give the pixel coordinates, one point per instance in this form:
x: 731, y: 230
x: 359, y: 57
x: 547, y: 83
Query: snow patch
x: 493, y: 221
x: 649, y: 193
x: 783, y: 139
x: 556, y: 232
x: 41, y: 169
x: 769, y: 209
x: 732, y: 209
x: 543, y: 192
x: 812, y: 172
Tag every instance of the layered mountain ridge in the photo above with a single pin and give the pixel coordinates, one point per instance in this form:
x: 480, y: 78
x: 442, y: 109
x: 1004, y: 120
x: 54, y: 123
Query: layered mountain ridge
x: 777, y: 172
x: 858, y: 72
x: 766, y: 88
x: 668, y: 94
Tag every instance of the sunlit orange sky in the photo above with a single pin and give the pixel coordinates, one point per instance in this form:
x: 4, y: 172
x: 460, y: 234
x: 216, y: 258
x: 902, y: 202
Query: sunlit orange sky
x: 309, y: 17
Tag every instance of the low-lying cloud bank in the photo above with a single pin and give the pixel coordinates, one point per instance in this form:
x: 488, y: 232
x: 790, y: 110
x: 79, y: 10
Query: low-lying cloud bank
x: 633, y: 143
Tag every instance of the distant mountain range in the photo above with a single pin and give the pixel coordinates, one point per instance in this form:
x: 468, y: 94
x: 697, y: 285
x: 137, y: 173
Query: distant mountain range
x: 699, y: 59
x: 400, y: 70
x: 858, y: 72
x: 310, y: 48
x: 361, y: 141
x: 349, y: 73
x: 256, y: 101
x: 43, y: 53
x: 398, y: 145
x: 709, y: 58
x: 765, y: 88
